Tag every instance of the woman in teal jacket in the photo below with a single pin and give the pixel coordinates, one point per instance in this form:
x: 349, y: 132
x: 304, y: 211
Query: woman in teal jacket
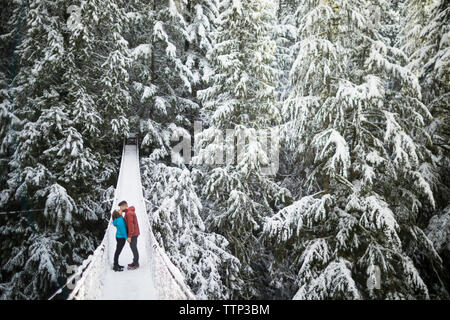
x: 121, y: 236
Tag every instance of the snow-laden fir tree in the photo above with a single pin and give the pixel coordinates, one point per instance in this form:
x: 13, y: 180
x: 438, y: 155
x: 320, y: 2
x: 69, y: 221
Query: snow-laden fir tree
x: 285, y: 35
x: 425, y: 39
x: 10, y: 36
x: 163, y: 73
x: 200, y: 17
x: 416, y: 15
x: 66, y: 123
x: 240, y: 97
x: 353, y: 122
x: 5, y: 124
x: 435, y: 54
x: 69, y: 95
x: 169, y: 41
x: 203, y: 257
x: 438, y: 231
x: 6, y: 118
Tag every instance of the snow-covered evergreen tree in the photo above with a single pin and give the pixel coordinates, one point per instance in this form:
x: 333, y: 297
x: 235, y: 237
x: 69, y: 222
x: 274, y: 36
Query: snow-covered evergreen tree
x: 10, y: 34
x: 285, y: 35
x: 241, y: 96
x: 438, y: 231
x: 162, y: 75
x: 169, y: 40
x: 70, y: 98
x: 176, y: 210
x: 353, y: 118
x: 65, y: 121
x: 425, y: 38
x: 6, y: 118
x: 201, y: 16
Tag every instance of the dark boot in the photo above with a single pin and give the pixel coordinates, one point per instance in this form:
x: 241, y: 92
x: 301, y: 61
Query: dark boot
x: 133, y: 266
x: 117, y: 268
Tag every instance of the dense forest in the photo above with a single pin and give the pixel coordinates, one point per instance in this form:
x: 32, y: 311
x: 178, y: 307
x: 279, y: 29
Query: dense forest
x: 354, y: 95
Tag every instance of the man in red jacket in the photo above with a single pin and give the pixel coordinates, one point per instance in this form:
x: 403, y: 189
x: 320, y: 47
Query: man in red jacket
x: 132, y: 231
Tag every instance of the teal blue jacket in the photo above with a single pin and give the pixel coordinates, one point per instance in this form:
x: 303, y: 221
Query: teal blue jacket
x: 119, y: 223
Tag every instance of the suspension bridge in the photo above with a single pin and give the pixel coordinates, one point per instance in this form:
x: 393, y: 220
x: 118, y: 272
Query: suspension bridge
x: 156, y: 278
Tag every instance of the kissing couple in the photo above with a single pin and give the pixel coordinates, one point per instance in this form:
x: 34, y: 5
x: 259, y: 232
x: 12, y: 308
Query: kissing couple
x: 127, y: 230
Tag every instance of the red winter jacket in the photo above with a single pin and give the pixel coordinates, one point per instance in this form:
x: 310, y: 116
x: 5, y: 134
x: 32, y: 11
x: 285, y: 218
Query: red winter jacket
x: 131, y: 221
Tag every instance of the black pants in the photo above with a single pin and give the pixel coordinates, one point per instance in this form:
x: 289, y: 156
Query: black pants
x: 119, y: 247
x: 133, y: 246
